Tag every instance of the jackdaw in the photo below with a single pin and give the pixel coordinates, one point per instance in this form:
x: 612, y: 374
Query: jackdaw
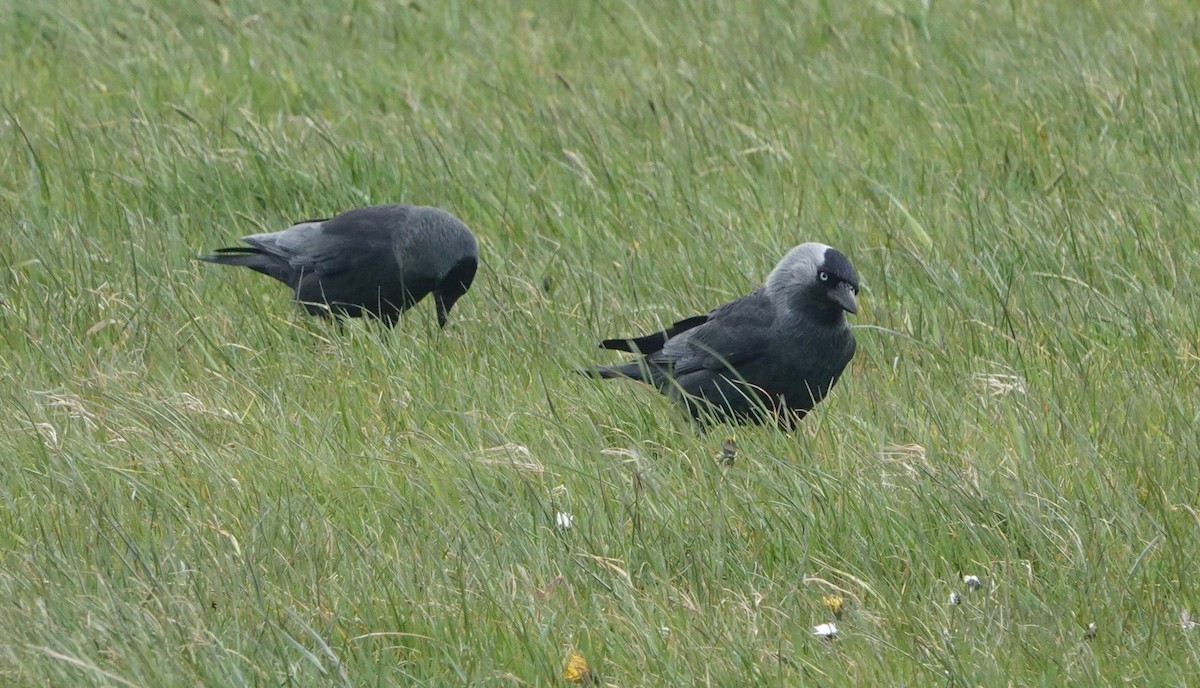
x: 770, y: 355
x: 378, y: 261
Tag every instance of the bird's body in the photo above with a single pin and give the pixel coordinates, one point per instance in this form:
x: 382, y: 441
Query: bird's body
x: 774, y: 353
x: 377, y: 261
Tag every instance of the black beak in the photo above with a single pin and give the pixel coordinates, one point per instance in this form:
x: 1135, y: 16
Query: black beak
x: 443, y: 307
x: 843, y: 296
x: 451, y: 287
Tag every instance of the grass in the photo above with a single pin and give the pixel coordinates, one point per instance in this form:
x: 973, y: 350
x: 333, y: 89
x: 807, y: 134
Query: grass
x: 202, y: 486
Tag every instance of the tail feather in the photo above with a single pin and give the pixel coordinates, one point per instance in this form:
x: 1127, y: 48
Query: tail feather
x: 237, y: 255
x: 255, y: 259
x: 654, y: 342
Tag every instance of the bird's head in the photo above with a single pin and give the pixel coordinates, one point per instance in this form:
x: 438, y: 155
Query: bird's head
x: 816, y: 281
x: 438, y: 253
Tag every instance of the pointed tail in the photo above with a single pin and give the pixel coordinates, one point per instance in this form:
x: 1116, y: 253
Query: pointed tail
x: 255, y: 259
x: 237, y: 255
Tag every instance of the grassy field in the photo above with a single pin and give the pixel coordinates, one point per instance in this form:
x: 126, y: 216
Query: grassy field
x: 200, y: 485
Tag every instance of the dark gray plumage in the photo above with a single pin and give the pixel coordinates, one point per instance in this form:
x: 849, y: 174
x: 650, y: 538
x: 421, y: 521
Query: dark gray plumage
x: 378, y: 261
x: 773, y: 354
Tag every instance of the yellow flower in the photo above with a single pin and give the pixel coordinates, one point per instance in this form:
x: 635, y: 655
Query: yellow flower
x: 835, y: 603
x: 577, y: 671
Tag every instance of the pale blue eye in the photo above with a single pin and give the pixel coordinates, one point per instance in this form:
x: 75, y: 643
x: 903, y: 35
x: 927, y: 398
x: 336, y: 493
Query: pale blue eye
x: 824, y: 276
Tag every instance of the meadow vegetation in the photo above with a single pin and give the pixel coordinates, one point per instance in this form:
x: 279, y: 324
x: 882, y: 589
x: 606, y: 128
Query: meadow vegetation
x: 203, y: 486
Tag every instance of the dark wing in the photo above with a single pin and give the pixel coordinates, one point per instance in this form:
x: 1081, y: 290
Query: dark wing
x: 347, y: 262
x: 702, y: 355
x: 733, y: 334
x: 651, y: 343
x: 331, y: 248
x: 717, y: 366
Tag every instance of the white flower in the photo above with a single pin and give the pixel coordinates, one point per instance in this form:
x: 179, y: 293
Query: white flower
x: 825, y: 630
x: 972, y: 583
x: 564, y: 520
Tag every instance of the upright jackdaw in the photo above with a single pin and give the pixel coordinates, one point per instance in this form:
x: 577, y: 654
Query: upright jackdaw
x: 378, y: 261
x: 770, y: 355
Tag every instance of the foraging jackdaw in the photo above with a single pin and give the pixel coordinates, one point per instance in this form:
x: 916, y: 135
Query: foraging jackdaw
x: 378, y: 261
x: 770, y: 355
